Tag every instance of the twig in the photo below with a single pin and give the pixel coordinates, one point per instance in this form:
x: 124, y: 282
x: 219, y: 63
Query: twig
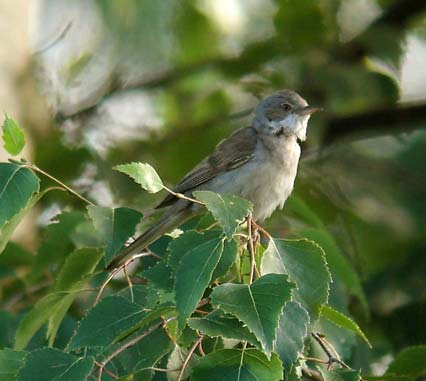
x: 66, y: 187
x: 114, y: 272
x: 129, y: 344
x: 251, y: 247
x: 182, y: 196
x: 312, y: 374
x: 188, y: 356
x: 333, y: 356
x: 106, y: 370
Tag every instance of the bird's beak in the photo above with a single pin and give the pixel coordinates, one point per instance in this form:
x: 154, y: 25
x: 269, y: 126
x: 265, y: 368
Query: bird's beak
x: 308, y: 110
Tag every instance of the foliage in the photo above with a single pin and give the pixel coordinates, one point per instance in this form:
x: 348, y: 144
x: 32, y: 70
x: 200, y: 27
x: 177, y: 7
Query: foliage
x: 346, y: 258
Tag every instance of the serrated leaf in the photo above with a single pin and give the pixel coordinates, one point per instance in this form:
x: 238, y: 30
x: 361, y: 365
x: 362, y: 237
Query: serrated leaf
x: 143, y: 174
x: 106, y: 321
x: 219, y: 324
x: 175, y: 361
x: 160, y: 276
x: 194, y: 274
x: 229, y: 256
x: 291, y: 333
x: 52, y: 364
x: 343, y: 321
x: 341, y: 375
x: 13, y: 137
x: 10, y: 362
x: 237, y: 365
x: 229, y: 210
x: 17, y: 185
x: 187, y: 242
x: 258, y: 305
x: 410, y: 362
x: 115, y: 226
x: 339, y: 265
x: 146, y: 353
x: 304, y: 262
x: 53, y: 307
x: 9, y: 227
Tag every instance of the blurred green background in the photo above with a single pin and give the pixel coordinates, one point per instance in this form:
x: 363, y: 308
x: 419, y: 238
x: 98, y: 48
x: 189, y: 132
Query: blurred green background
x: 106, y: 82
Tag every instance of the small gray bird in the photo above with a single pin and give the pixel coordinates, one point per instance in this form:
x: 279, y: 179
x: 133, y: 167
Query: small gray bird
x: 258, y: 163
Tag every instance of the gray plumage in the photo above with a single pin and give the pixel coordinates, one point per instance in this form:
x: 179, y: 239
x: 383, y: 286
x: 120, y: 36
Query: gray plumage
x: 258, y: 163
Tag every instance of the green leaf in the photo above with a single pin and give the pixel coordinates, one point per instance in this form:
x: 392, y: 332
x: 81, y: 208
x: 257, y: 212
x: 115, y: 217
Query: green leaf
x: 341, y: 375
x: 409, y: 362
x: 338, y: 263
x: 230, y: 211
x: 229, y: 256
x: 237, y: 365
x: 194, y: 273
x: 160, y: 276
x: 9, y: 227
x: 258, y: 305
x: 304, y: 262
x: 115, y: 226
x: 188, y: 241
x: 106, y: 321
x: 17, y: 185
x: 219, y: 324
x: 343, y: 321
x: 146, y: 353
x: 10, y: 362
x: 53, y: 307
x: 143, y: 174
x: 13, y: 137
x: 51, y: 364
x: 291, y: 333
x: 57, y: 241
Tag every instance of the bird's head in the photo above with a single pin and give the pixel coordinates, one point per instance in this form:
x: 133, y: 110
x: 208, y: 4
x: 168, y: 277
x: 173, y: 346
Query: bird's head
x: 284, y: 113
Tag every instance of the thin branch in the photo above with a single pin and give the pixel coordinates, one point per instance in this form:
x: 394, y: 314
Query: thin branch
x: 250, y: 246
x: 182, y: 196
x: 114, y: 272
x: 66, y: 187
x: 188, y: 357
x: 129, y: 344
x: 333, y: 356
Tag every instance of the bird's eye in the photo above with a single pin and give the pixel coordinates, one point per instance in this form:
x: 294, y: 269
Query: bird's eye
x: 286, y: 106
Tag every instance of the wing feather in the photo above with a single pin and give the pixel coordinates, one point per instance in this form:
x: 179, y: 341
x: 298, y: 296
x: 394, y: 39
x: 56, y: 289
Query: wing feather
x: 229, y: 154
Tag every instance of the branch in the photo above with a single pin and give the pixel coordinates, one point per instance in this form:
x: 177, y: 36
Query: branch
x: 374, y: 123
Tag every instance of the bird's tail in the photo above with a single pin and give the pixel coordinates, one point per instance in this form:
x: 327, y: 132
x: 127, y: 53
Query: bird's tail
x: 170, y: 220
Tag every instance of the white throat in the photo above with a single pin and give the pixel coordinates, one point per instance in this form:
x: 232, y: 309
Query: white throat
x: 292, y: 124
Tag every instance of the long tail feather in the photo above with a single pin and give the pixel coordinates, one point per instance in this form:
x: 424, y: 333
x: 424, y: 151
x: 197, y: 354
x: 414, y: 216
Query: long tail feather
x: 169, y: 221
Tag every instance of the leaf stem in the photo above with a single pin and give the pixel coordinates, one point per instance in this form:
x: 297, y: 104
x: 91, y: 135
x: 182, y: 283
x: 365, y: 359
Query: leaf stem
x: 66, y: 187
x: 182, y: 196
x: 188, y: 356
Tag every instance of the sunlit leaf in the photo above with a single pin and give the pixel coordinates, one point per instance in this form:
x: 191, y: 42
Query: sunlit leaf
x: 258, y: 305
x: 13, y: 137
x: 228, y: 210
x: 341, y: 375
x: 343, y: 321
x: 143, y: 174
x: 304, y: 262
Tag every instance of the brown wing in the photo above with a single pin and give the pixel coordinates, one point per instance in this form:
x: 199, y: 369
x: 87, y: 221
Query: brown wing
x: 230, y: 153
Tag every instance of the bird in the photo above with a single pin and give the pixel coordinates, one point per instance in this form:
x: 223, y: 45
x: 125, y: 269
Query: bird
x: 258, y: 163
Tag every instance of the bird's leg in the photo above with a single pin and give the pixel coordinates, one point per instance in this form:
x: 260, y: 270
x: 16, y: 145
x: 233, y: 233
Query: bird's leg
x: 253, y: 240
